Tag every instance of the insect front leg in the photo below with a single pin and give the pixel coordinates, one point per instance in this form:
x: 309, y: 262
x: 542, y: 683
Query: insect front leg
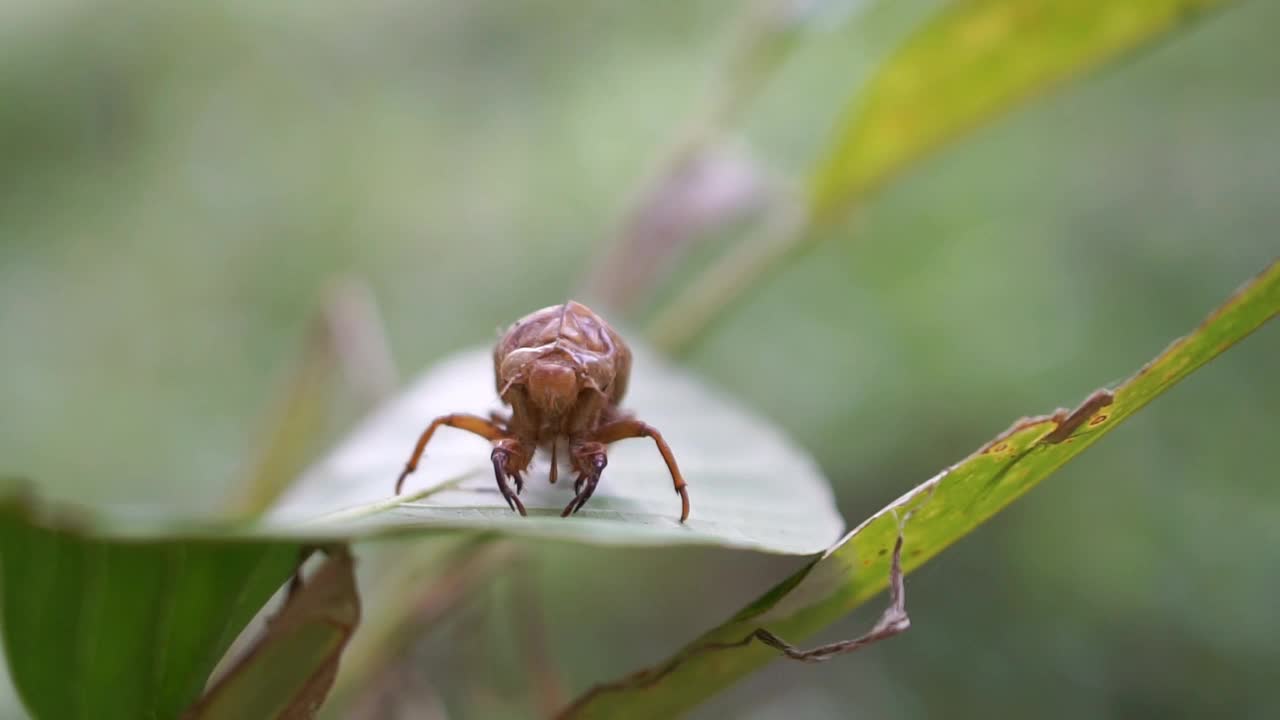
x: 471, y: 423
x: 589, y: 460
x: 510, y: 458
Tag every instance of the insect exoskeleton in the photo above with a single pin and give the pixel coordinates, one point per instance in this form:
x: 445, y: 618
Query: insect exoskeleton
x: 563, y: 372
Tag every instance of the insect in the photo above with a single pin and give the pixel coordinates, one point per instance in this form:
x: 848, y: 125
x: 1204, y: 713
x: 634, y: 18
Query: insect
x: 563, y: 371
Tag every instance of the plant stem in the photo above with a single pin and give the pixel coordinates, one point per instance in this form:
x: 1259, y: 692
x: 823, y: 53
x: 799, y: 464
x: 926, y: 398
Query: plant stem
x: 686, y: 318
x: 344, y: 334
x: 669, y: 210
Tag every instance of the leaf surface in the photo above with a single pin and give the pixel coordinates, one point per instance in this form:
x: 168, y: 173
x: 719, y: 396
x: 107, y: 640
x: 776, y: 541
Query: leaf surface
x: 750, y: 487
x: 97, y: 628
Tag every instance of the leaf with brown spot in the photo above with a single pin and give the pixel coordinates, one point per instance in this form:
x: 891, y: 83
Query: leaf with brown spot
x: 942, y: 510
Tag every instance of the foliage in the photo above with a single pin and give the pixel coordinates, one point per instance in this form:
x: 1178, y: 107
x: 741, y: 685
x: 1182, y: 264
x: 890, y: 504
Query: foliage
x: 178, y: 191
x: 935, y: 515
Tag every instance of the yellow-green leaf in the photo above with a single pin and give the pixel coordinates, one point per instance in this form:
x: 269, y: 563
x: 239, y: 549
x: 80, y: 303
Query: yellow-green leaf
x: 973, y: 61
x: 941, y: 511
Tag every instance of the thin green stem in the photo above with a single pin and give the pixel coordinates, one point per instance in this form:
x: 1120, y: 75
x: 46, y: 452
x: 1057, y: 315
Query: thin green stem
x: 686, y: 318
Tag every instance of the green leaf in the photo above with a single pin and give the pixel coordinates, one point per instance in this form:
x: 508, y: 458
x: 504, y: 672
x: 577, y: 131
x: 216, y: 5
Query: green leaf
x: 941, y: 511
x: 975, y: 60
x: 98, y: 628
x: 749, y: 486
x: 289, y: 669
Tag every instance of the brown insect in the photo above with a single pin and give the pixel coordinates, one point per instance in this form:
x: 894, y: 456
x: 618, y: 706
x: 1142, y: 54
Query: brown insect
x: 563, y: 371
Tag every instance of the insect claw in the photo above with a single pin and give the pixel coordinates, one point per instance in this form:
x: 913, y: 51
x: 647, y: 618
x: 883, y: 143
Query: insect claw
x: 569, y: 509
x: 582, y: 497
x: 500, y: 458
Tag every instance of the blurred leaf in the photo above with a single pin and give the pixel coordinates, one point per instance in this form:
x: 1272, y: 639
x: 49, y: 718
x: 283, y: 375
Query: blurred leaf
x: 941, y: 511
x: 750, y: 486
x: 112, y: 629
x: 288, y: 671
x: 405, y: 601
x: 974, y: 61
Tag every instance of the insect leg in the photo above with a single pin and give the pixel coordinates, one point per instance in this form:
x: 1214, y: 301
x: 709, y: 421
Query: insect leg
x: 598, y: 462
x: 500, y: 458
x: 632, y: 428
x: 585, y: 484
x: 590, y: 459
x: 586, y: 495
x: 893, y: 621
x: 471, y: 423
x: 573, y: 505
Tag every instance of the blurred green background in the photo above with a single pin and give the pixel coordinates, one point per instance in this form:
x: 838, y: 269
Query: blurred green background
x: 179, y: 184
